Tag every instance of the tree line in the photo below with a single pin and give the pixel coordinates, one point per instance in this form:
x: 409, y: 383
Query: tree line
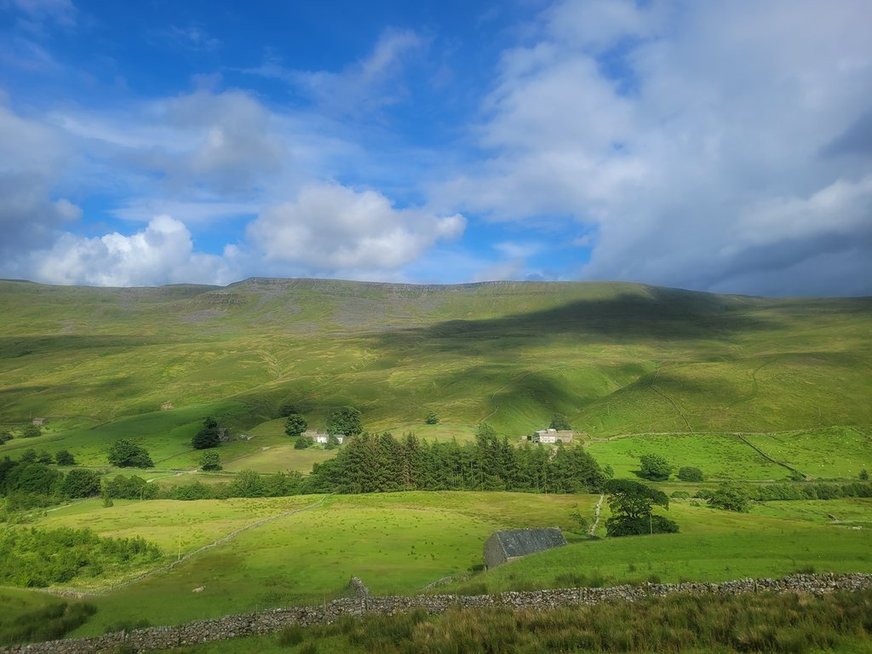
x: 373, y: 463
x: 30, y: 482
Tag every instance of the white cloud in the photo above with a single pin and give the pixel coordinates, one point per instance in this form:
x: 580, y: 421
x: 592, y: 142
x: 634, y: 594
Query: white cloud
x: 688, y: 135
x: 365, y: 85
x: 161, y: 253
x: 598, y: 24
x: 225, y: 142
x: 331, y: 228
x: 515, y: 250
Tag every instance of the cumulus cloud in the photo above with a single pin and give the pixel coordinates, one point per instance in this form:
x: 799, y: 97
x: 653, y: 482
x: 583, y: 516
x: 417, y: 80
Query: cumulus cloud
x: 699, y: 140
x: 161, y: 253
x: 330, y: 228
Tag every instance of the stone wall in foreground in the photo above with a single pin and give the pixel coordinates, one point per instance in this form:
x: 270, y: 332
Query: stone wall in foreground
x: 203, y: 631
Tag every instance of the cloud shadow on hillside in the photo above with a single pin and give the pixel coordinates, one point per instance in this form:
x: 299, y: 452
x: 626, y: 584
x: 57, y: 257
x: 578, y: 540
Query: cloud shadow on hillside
x: 664, y: 316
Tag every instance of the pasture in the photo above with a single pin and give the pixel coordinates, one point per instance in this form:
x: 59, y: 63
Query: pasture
x: 614, y: 358
x: 744, y: 388
x: 402, y: 542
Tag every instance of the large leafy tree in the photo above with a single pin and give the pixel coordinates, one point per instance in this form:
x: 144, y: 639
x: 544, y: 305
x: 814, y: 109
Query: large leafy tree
x: 295, y: 424
x: 344, y: 421
x: 632, y: 505
x: 559, y: 421
x: 654, y: 467
x: 80, y: 483
x: 208, y: 436
x: 127, y: 454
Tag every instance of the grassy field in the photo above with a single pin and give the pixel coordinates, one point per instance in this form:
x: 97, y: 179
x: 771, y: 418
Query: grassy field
x: 398, y: 543
x: 402, y: 542
x: 712, y: 546
x: 719, y: 456
x: 615, y: 358
x: 743, y: 388
x: 827, y: 453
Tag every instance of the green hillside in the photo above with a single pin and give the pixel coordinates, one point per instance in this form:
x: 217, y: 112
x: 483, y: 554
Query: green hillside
x: 615, y: 358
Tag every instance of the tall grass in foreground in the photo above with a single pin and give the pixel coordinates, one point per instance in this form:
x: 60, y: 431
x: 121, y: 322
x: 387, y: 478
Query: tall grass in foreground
x: 793, y: 623
x: 46, y: 623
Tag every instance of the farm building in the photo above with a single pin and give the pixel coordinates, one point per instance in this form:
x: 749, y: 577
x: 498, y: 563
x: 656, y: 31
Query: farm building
x: 553, y: 435
x: 322, y: 439
x: 505, y: 546
x: 39, y: 422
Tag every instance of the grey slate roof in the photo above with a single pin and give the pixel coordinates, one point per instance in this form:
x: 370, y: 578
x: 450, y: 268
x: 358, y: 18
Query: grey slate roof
x: 510, y: 544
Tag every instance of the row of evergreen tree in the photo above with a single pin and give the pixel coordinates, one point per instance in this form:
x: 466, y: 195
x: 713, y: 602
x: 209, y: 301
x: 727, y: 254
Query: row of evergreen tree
x: 372, y: 463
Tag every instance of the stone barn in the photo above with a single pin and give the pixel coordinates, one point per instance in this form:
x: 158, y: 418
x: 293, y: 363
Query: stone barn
x: 504, y: 546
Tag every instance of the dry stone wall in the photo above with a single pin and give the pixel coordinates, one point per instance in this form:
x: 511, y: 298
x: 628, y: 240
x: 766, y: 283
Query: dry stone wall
x: 203, y: 631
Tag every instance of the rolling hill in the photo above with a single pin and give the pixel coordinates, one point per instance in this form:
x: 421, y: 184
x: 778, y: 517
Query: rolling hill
x: 615, y: 358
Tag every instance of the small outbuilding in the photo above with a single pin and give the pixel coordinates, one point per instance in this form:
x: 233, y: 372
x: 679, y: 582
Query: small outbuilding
x: 504, y: 546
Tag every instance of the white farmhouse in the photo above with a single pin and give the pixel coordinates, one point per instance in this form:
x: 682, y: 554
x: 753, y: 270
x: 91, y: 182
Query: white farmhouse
x: 552, y: 436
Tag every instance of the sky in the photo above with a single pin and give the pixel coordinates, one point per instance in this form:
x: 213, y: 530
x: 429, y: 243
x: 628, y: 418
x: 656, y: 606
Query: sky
x: 721, y: 146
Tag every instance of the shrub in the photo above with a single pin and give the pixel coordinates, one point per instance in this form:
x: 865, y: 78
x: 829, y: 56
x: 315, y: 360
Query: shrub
x: 630, y: 526
x: 688, y: 473
x: 729, y: 497
x: 64, y: 458
x: 39, y: 557
x: 210, y: 461
x: 303, y: 442
x: 129, y: 488
x: 559, y: 421
x: 5, y: 437
x: 432, y: 419
x: 864, y: 475
x: 654, y: 467
x: 127, y: 454
x: 32, y: 478
x: 31, y: 431
x: 80, y: 483
x: 192, y: 491
x: 247, y: 484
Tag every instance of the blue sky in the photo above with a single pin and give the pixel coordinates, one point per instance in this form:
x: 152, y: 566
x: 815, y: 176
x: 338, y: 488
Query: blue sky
x: 721, y: 146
